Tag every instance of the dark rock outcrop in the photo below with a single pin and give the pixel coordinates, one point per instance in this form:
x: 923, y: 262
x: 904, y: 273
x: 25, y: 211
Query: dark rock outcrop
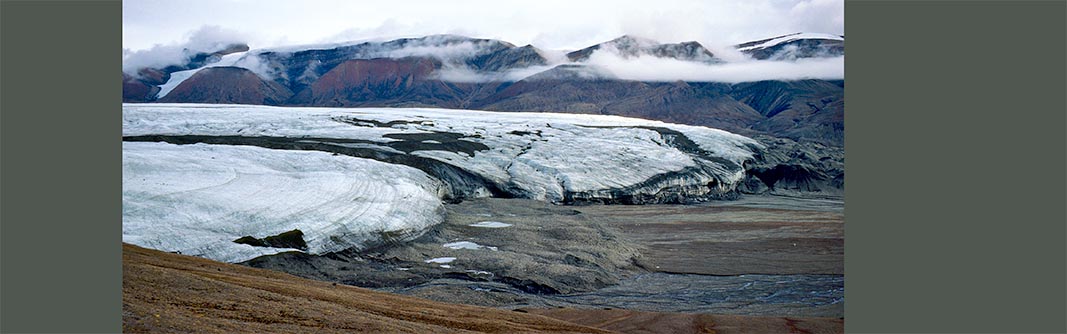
x: 804, y: 110
x: 789, y: 167
x: 290, y: 239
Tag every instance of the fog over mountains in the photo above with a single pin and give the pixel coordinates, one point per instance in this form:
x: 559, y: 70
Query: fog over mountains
x: 786, y: 86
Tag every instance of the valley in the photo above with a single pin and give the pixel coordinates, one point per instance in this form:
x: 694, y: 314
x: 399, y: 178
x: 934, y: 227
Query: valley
x: 531, y: 190
x: 730, y: 257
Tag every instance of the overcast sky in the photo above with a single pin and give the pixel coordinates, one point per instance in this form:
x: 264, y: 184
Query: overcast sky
x: 547, y: 24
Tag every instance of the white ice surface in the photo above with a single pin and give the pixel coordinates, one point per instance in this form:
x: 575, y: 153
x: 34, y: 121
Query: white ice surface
x: 198, y: 198
x: 790, y: 38
x: 177, y: 78
x: 441, y: 260
x: 573, y: 152
x: 490, y: 224
x: 467, y: 245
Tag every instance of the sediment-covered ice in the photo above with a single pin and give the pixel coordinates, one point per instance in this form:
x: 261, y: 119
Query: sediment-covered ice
x: 197, y: 199
x: 546, y: 156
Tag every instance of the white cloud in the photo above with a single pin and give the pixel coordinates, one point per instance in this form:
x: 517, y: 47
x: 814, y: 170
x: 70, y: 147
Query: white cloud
x: 547, y: 24
x: 158, y: 33
x: 203, y: 39
x: 446, y: 53
x: 649, y: 68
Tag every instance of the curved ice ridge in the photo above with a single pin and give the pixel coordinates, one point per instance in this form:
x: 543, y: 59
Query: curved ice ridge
x: 197, y: 199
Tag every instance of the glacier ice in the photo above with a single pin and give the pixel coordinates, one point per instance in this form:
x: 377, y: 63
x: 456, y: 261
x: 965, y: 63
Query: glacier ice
x: 231, y: 171
x: 197, y: 199
x: 467, y: 245
x: 561, y: 158
x: 441, y: 260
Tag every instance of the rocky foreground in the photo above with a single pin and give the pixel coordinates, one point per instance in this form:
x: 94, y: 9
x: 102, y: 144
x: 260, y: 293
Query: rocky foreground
x: 170, y: 293
x: 758, y: 256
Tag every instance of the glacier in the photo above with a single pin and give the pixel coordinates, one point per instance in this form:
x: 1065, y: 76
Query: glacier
x: 553, y: 157
x: 197, y: 199
x: 197, y: 177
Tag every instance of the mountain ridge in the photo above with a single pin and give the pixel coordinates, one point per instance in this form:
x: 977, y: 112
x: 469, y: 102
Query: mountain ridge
x: 500, y: 76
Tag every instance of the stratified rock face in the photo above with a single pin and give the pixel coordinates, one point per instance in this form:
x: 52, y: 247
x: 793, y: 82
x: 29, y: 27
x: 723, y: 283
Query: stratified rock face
x: 227, y: 85
x: 788, y: 167
x: 675, y: 102
x: 379, y: 82
x: 559, y: 158
x: 806, y: 110
x: 508, y: 58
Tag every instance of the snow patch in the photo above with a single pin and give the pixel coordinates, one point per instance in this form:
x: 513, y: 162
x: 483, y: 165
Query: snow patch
x: 441, y: 260
x: 790, y: 38
x: 467, y: 245
x: 490, y: 224
x: 177, y: 78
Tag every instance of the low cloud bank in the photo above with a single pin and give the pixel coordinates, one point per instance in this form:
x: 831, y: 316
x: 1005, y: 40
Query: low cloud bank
x: 608, y: 65
x: 613, y: 65
x: 454, y: 51
x: 205, y: 39
x: 651, y: 68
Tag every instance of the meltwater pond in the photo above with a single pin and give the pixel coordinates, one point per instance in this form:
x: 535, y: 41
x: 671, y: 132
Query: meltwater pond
x: 794, y: 295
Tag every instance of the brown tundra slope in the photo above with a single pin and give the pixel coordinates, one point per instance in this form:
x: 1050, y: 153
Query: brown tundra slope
x: 171, y: 293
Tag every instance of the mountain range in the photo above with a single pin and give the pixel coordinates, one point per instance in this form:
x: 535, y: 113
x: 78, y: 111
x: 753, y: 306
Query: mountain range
x: 449, y: 71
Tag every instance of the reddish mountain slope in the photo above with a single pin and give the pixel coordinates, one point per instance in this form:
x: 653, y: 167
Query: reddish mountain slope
x: 227, y: 85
